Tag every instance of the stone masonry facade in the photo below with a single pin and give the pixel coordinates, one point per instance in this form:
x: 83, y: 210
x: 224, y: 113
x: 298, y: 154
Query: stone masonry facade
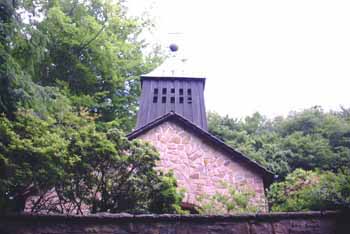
x: 199, y: 166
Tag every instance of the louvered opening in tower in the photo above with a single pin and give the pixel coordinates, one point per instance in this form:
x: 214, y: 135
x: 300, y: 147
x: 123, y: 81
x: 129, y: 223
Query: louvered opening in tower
x: 183, y: 96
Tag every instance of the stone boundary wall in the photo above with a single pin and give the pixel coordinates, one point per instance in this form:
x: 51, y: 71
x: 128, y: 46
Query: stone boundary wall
x: 272, y: 223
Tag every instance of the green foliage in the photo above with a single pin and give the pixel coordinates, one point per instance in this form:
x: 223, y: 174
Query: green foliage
x: 165, y: 194
x: 112, y: 174
x: 31, y: 157
x: 69, y: 83
x: 17, y: 89
x: 90, y: 51
x: 311, y: 190
x: 231, y: 202
x: 93, y: 169
x: 335, y: 190
x: 309, y: 139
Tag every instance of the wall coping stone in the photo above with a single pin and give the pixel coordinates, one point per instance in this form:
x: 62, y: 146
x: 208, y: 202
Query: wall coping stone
x: 125, y: 217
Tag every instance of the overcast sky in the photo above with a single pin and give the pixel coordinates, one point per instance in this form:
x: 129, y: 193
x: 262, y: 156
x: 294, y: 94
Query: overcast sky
x: 271, y: 56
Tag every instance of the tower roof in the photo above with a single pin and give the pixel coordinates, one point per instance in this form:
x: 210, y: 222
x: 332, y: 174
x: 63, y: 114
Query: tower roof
x: 176, y: 66
x: 173, y: 86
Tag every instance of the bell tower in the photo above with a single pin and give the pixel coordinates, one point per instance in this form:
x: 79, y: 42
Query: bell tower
x: 172, y: 118
x: 172, y: 88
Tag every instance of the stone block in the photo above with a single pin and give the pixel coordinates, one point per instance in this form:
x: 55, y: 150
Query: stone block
x: 261, y: 228
x: 175, y: 140
x: 180, y: 147
x: 198, y: 229
x: 305, y: 227
x: 329, y: 226
x: 195, y: 156
x: 185, y: 139
x: 241, y: 228
x: 281, y: 227
x: 182, y: 229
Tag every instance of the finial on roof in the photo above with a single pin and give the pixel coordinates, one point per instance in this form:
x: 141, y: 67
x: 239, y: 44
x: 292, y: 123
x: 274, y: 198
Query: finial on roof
x: 173, y: 47
x: 176, y: 65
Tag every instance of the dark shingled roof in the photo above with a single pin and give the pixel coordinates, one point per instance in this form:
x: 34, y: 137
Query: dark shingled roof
x: 235, y: 155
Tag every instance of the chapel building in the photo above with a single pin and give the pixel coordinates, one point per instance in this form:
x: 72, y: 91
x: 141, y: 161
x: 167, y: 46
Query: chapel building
x: 172, y: 117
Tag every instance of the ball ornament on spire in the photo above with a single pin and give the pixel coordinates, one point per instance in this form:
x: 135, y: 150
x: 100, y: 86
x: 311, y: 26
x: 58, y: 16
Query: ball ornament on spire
x: 173, y: 47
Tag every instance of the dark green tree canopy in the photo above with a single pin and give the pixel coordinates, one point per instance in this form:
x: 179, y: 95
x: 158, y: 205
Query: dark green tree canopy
x: 89, y: 51
x: 293, y: 147
x: 311, y: 139
x: 69, y: 82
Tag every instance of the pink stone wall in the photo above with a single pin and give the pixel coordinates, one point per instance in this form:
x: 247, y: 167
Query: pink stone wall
x: 199, y: 167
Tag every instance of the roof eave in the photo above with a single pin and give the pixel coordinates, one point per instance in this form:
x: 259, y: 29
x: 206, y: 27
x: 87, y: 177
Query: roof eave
x: 145, y: 77
x: 169, y: 77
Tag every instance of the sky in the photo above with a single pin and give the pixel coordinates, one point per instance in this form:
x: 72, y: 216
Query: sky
x: 271, y: 56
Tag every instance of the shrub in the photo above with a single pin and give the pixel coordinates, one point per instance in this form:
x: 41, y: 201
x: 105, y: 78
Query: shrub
x: 311, y: 190
x: 234, y: 201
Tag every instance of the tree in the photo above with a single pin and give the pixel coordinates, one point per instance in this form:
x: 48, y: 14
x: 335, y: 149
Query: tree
x: 32, y: 156
x: 89, y: 50
x: 69, y: 85
x: 311, y: 190
x: 83, y: 167
x: 112, y: 174
x: 293, y: 147
x: 308, y: 139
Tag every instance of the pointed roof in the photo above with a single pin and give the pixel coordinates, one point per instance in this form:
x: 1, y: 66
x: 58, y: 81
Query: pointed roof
x: 176, y: 66
x: 235, y: 155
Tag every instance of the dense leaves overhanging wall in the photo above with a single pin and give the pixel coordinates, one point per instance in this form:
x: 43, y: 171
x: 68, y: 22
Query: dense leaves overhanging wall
x: 69, y: 83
